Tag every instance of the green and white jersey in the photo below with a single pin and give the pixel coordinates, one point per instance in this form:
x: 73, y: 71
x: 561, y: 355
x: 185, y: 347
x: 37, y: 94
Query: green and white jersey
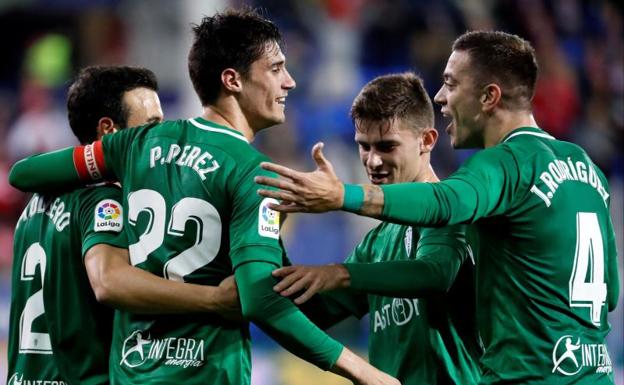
x: 58, y: 332
x: 193, y: 215
x: 429, y: 340
x: 547, y: 269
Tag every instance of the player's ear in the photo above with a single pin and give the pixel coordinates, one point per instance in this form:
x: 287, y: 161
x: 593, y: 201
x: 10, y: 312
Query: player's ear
x: 429, y: 138
x: 491, y: 96
x: 105, y: 126
x: 231, y: 80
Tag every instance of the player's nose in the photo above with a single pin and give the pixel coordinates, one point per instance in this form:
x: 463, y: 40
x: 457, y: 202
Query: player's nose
x: 373, y: 160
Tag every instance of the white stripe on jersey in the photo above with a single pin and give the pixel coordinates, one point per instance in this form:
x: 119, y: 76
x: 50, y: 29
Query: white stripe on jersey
x: 221, y: 130
x: 529, y: 133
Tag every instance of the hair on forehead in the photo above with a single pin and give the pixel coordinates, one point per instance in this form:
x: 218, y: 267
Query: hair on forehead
x: 98, y: 92
x: 233, y: 39
x: 392, y: 97
x: 502, y: 58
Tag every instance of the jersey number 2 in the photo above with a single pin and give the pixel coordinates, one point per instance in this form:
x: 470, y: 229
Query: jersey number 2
x: 207, y: 237
x: 29, y: 341
x: 587, y: 287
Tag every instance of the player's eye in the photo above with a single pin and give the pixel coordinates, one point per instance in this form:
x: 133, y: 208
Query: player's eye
x: 386, y: 147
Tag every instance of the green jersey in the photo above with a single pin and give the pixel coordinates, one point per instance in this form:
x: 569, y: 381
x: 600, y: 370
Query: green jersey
x: 193, y: 216
x: 547, y: 270
x: 59, y: 334
x: 427, y: 340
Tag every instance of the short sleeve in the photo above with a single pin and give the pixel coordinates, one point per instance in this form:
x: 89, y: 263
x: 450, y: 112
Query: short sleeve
x: 101, y: 218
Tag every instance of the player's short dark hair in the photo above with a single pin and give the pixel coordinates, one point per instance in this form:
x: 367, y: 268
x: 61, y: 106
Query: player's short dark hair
x: 98, y: 92
x: 394, y: 96
x: 232, y: 39
x: 505, y: 59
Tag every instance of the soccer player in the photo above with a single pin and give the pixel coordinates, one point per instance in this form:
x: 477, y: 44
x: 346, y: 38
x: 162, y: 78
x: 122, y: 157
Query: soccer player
x: 194, y: 215
x: 58, y: 333
x: 547, y: 267
x: 432, y: 339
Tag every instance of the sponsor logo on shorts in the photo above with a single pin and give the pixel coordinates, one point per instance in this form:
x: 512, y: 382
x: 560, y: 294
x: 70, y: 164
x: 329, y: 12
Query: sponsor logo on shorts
x: 268, y: 219
x: 570, y: 355
x: 140, y: 348
x: 18, y: 379
x: 108, y: 216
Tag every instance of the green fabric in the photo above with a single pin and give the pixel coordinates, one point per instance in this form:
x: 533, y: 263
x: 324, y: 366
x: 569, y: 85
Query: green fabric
x: 51, y: 236
x: 427, y: 340
x: 193, y: 215
x: 280, y: 318
x: 353, y: 198
x: 328, y: 309
x: 439, y: 255
x: 51, y: 172
x: 541, y: 207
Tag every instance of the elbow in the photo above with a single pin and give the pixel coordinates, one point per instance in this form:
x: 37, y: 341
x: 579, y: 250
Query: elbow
x: 105, y: 289
x: 251, y: 310
x: 16, y: 177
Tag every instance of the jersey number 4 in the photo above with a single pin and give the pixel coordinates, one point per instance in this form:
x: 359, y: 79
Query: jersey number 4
x: 587, y: 286
x: 29, y: 341
x: 207, y: 238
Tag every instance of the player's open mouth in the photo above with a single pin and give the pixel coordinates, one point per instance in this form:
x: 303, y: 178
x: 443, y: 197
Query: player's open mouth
x: 450, y: 126
x: 378, y: 178
x: 281, y: 100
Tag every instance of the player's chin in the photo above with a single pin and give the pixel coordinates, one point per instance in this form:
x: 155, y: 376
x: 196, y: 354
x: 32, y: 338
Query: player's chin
x: 278, y: 118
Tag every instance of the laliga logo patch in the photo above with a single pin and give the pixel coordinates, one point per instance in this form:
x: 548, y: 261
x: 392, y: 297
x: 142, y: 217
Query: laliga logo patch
x: 268, y: 219
x: 108, y: 216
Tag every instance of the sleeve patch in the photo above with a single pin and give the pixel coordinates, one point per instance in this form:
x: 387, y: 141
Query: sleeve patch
x: 268, y: 219
x: 108, y: 216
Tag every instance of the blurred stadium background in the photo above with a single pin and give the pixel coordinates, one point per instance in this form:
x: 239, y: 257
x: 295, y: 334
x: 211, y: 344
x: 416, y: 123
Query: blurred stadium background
x: 333, y: 47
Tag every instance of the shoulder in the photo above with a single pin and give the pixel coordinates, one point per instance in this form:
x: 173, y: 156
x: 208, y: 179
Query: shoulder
x: 99, y: 191
x: 103, y: 199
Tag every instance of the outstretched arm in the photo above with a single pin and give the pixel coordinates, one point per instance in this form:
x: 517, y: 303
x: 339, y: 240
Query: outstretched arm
x: 438, y: 259
x: 484, y: 186
x: 118, y: 284
x: 61, y: 170
x: 319, y: 190
x: 279, y: 318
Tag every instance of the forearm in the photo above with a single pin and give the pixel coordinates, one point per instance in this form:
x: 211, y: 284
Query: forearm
x: 60, y: 170
x: 425, y: 204
x: 328, y: 309
x: 280, y: 319
x: 367, y: 200
x: 118, y: 284
x: 138, y: 291
x: 49, y: 172
x: 413, y: 278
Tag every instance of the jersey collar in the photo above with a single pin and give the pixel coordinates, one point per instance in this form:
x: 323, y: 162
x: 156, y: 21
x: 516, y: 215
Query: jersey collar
x: 534, y: 131
x: 207, y: 125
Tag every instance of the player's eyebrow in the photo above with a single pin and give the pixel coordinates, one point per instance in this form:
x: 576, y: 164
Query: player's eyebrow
x: 278, y: 63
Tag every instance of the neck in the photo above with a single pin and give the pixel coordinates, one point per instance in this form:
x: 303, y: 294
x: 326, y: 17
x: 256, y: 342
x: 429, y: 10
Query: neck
x: 503, y: 122
x: 229, y: 115
x: 426, y: 173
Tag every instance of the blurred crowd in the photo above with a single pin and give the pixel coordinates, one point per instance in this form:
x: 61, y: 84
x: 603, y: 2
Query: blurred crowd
x: 333, y: 47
